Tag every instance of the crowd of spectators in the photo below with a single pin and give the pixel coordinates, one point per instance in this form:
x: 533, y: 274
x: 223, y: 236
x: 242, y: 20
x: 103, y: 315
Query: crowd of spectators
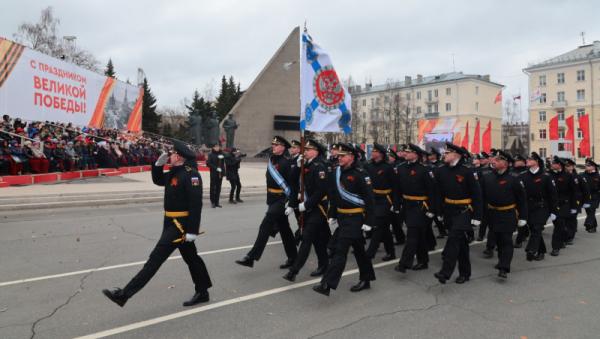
x: 32, y: 147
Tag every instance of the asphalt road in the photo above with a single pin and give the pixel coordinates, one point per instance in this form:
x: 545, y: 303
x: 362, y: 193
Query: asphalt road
x: 50, y: 288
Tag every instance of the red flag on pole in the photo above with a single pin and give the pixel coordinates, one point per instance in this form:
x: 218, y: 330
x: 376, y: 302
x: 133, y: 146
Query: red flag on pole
x: 553, y: 125
x: 486, y: 140
x: 475, y: 144
x: 498, y: 97
x: 570, y: 134
x: 584, y: 145
x: 465, y: 140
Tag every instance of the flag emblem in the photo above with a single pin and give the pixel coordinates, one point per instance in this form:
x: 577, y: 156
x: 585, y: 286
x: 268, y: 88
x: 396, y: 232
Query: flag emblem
x: 327, y: 87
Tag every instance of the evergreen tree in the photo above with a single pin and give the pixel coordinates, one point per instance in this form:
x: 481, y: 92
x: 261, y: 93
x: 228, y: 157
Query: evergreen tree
x: 109, y: 71
x: 150, y: 119
x: 228, y: 96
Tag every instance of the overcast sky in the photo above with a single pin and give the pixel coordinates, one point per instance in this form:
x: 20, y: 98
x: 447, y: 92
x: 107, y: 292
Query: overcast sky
x: 187, y: 45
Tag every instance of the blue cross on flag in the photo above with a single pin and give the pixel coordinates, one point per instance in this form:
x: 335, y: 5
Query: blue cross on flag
x: 325, y: 105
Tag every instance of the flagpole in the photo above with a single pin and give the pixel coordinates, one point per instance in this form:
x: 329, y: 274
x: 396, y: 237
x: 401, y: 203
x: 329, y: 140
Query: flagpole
x: 301, y: 216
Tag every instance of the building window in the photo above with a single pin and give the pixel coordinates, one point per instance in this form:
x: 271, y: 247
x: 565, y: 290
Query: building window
x: 419, y: 95
x: 561, y: 133
x: 435, y: 108
x: 364, y: 116
x: 561, y: 146
x: 542, y: 80
x: 476, y: 90
x: 561, y: 115
x: 560, y: 96
x: 372, y: 102
x: 543, y: 98
x: 580, y: 112
x: 581, y: 75
x: 429, y: 108
x: 386, y: 99
x: 579, y: 133
x: 542, y: 115
x: 408, y: 96
x: 579, y: 155
x: 448, y: 107
x: 543, y: 133
x: 580, y: 94
x: 560, y: 78
x: 435, y: 93
x: 377, y: 102
x: 448, y: 91
x: 364, y: 102
x: 418, y: 109
x: 542, y: 152
x: 476, y: 107
x: 429, y: 95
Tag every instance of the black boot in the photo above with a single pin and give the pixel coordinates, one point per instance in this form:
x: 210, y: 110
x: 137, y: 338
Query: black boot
x: 231, y: 201
x: 318, y: 272
x: 488, y: 253
x: 116, y: 295
x: 199, y: 297
x: 389, y: 257
x: 539, y: 257
x: 287, y: 264
x: 554, y: 252
x: 400, y: 268
x: 440, y: 277
x: 420, y: 266
x: 238, y: 199
x: 290, y: 276
x: 322, y: 288
x: 362, y: 285
x: 530, y: 256
x: 502, y: 274
x: 245, y: 261
x: 461, y: 279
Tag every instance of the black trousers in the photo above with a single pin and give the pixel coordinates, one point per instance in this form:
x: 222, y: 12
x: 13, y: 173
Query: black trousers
x: 215, y: 187
x: 338, y: 263
x: 236, y: 188
x: 491, y: 242
x: 505, y: 250
x: 482, y: 229
x: 159, y: 255
x: 570, y: 227
x: 381, y: 233
x: 315, y: 233
x: 270, y: 225
x: 456, y: 250
x: 590, y: 219
x: 440, y: 226
x: 415, y: 245
x: 522, y: 234
x: 397, y: 221
x: 536, y: 242
x: 559, y: 235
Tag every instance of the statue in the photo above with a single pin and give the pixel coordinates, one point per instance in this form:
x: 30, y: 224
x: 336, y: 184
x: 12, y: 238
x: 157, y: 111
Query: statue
x: 196, y: 128
x: 230, y: 125
x: 212, y: 128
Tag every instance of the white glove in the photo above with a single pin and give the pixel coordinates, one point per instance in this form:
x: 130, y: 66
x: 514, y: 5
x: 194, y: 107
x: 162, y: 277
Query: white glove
x: 189, y: 237
x: 220, y: 156
x: 392, y: 209
x: 475, y: 222
x: 552, y: 216
x: 299, y: 160
x: 430, y: 215
x: 573, y: 211
x: 301, y: 207
x: 521, y: 223
x: 333, y: 223
x: 219, y: 170
x: 366, y: 228
x: 289, y: 210
x: 440, y: 218
x: 162, y: 160
x: 586, y: 206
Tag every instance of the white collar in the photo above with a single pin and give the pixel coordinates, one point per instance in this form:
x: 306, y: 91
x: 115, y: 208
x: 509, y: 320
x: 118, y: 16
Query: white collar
x: 534, y: 171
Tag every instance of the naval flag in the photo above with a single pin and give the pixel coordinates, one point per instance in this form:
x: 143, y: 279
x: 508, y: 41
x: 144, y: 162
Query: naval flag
x: 325, y: 105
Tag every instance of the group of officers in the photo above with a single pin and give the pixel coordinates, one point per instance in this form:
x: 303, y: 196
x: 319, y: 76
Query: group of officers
x: 341, y: 200
x: 344, y: 199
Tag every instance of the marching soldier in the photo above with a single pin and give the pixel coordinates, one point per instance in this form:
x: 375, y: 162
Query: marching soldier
x: 460, y: 194
x: 295, y: 162
x: 566, y: 206
x: 275, y: 220
x: 382, y: 177
x: 216, y: 163
x: 518, y: 169
x: 415, y: 189
x: 352, y: 207
x: 398, y: 215
x: 582, y: 193
x: 593, y: 180
x: 434, y: 161
x: 232, y: 163
x: 315, y: 231
x: 506, y: 204
x: 482, y: 167
x: 181, y: 225
x: 542, y: 197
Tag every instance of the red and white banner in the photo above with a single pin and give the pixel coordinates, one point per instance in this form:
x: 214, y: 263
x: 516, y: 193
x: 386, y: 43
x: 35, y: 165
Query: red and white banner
x: 36, y: 86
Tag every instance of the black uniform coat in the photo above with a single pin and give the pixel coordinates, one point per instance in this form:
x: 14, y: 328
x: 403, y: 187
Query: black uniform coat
x: 542, y: 197
x: 416, y: 179
x: 382, y: 176
x: 567, y: 192
x: 183, y: 192
x: 503, y: 190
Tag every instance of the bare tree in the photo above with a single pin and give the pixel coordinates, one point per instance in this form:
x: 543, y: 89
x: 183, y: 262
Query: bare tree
x: 43, y: 36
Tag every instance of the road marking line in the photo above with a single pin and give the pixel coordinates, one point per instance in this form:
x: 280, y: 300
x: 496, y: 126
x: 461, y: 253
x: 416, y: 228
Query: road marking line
x: 106, y: 268
x: 176, y: 315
